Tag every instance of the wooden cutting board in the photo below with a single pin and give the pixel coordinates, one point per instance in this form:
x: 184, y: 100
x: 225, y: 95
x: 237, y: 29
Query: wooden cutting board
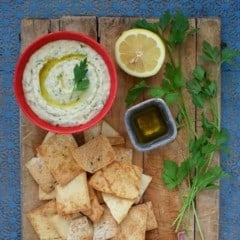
x: 166, y: 203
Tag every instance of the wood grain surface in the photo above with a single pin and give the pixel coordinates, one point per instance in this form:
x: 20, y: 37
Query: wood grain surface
x: 166, y: 203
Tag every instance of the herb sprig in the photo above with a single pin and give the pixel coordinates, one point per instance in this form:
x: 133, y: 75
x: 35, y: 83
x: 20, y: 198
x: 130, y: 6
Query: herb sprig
x: 197, y: 169
x: 81, y: 81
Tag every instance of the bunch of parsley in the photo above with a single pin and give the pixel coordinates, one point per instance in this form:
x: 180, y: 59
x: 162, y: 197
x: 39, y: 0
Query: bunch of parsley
x: 198, y: 169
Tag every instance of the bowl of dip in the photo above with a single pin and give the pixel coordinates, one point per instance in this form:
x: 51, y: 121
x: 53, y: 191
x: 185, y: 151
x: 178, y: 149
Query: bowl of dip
x: 46, y: 82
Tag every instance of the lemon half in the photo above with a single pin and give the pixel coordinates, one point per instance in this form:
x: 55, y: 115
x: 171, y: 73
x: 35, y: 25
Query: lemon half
x: 140, y: 52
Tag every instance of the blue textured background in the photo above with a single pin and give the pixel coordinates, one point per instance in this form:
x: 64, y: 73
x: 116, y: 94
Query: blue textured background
x: 11, y: 13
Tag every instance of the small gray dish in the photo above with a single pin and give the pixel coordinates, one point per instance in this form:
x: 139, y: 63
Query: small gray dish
x: 150, y: 124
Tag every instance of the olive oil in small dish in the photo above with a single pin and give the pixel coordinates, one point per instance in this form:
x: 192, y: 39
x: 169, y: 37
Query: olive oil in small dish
x: 150, y: 124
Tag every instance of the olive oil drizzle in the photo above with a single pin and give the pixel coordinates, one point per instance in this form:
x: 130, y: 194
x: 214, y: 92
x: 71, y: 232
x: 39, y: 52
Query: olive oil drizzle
x: 44, y: 72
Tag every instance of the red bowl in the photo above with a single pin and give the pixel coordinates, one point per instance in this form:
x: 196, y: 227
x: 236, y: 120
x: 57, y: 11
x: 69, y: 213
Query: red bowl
x: 38, y: 43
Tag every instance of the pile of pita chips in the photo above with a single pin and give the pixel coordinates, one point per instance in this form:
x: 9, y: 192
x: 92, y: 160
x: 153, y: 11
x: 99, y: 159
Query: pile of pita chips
x: 105, y: 129
x: 93, y: 191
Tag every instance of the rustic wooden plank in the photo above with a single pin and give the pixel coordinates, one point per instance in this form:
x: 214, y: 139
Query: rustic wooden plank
x: 85, y: 24
x: 207, y: 203
x: 54, y: 25
x: 110, y: 29
x: 188, y: 60
x: 167, y: 203
x: 31, y: 136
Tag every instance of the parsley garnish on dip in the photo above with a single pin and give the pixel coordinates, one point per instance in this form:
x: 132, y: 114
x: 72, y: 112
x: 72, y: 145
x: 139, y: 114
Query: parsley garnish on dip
x: 81, y: 81
x: 66, y: 83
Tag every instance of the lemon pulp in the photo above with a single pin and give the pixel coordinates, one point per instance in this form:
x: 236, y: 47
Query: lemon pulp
x: 140, y: 52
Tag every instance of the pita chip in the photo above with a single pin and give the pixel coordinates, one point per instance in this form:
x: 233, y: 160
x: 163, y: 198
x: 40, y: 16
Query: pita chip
x: 96, y: 211
x: 80, y: 229
x: 46, y: 196
x: 118, y: 207
x: 41, y: 174
x: 47, y: 136
x: 133, y: 227
x: 118, y: 178
x: 40, y: 220
x: 123, y: 154
x: 106, y: 227
x: 145, y: 181
x: 56, y: 151
x: 95, y: 154
x: 104, y: 128
x: 92, y: 132
x: 73, y: 197
x: 61, y: 225
x: 151, y: 219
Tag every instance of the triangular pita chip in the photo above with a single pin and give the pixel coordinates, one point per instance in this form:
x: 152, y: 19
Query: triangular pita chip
x: 56, y: 151
x: 105, y: 129
x: 95, y: 154
x: 80, y: 229
x: 41, y: 174
x: 118, y: 207
x: 46, y: 196
x: 61, y: 225
x: 123, y: 154
x: 47, y: 136
x: 151, y: 219
x: 133, y: 226
x: 118, y: 178
x: 74, y: 196
x: 106, y: 227
x: 92, y: 132
x: 40, y: 220
x: 96, y: 211
x: 145, y: 181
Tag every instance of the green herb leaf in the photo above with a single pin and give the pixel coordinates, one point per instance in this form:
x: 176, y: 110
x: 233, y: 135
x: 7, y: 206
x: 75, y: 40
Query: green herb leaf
x: 228, y: 55
x: 210, y: 53
x: 198, y: 100
x: 167, y: 86
x: 164, y: 20
x: 210, y: 89
x: 175, y: 75
x: 135, y: 92
x: 192, y: 31
x: 183, y: 171
x: 209, y: 148
x: 172, y: 98
x: 173, y: 175
x: 199, y: 73
x: 179, y: 29
x: 209, y: 178
x: 81, y: 82
x: 143, y: 23
x: 180, y: 117
x: 222, y: 137
x: 170, y: 173
x: 156, y: 92
x: 194, y: 87
x: 209, y: 127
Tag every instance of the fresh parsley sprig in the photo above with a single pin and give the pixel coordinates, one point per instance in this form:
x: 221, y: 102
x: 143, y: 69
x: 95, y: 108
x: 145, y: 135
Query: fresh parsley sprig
x: 201, y: 87
x: 135, y: 92
x: 81, y: 81
x: 197, y: 169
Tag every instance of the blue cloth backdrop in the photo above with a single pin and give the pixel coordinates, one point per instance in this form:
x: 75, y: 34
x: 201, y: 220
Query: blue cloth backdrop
x: 11, y: 13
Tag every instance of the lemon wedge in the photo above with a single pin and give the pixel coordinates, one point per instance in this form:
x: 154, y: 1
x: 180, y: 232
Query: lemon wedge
x: 140, y: 52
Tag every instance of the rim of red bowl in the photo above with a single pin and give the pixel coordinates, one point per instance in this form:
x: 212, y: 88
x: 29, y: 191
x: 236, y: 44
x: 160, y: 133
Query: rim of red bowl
x: 38, y: 43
